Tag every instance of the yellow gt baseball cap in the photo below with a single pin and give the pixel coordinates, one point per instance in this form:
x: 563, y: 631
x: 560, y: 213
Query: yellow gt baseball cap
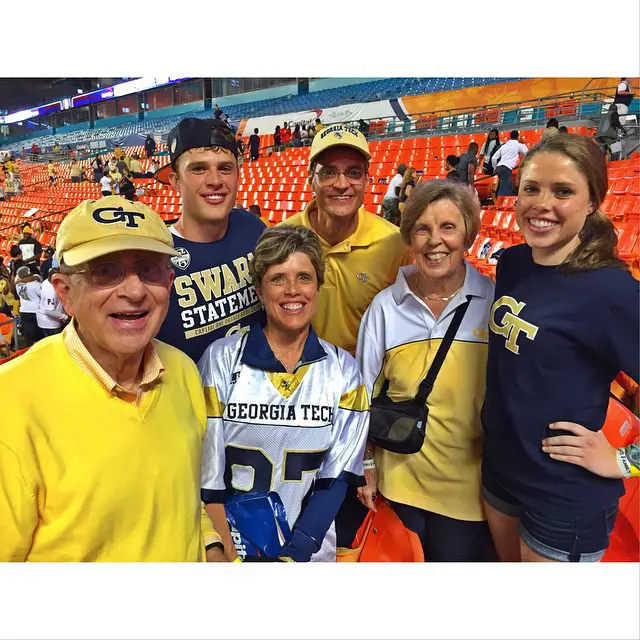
x: 337, y: 135
x: 98, y: 227
x: 27, y: 229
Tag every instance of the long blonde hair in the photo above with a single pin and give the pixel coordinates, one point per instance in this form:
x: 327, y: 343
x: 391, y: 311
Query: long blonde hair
x: 598, y: 237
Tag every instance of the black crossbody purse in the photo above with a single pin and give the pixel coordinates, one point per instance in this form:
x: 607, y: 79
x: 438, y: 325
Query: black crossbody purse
x: 401, y: 427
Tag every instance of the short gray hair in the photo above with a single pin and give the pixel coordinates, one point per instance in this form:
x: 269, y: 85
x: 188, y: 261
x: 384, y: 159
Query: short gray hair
x: 275, y: 245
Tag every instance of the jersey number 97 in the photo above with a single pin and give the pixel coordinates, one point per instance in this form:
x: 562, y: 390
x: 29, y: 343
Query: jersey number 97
x: 295, y: 464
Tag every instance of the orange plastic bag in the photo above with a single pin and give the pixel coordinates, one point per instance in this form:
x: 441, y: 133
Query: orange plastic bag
x: 383, y: 538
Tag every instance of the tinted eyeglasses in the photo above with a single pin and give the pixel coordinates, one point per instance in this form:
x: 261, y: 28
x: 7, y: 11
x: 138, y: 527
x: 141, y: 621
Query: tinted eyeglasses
x: 104, y: 275
x: 329, y: 175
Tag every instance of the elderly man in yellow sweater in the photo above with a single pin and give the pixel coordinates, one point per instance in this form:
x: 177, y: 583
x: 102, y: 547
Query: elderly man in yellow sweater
x: 103, y: 463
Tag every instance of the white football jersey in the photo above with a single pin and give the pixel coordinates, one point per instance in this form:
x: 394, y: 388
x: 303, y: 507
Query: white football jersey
x: 269, y: 430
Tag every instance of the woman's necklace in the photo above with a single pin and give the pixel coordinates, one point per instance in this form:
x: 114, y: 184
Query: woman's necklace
x: 439, y: 299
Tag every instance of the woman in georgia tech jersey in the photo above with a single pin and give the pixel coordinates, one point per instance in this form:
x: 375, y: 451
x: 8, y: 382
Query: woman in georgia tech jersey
x: 563, y: 325
x: 287, y: 411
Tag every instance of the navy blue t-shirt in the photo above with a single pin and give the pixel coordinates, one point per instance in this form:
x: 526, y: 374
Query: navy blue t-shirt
x: 556, y: 342
x: 212, y: 294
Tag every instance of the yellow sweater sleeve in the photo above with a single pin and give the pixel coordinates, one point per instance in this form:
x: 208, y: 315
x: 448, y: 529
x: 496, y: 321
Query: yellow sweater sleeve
x: 18, y: 509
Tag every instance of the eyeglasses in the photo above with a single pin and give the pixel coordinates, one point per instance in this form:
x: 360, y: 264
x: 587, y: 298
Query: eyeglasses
x: 104, y: 275
x: 328, y: 175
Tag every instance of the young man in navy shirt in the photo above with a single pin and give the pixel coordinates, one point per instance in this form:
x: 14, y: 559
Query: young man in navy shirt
x: 212, y: 295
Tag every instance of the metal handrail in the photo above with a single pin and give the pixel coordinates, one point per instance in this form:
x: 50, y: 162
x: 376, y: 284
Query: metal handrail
x: 532, y: 115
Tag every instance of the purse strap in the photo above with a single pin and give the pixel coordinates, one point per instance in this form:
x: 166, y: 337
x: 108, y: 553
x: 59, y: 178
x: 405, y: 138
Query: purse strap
x: 427, y: 384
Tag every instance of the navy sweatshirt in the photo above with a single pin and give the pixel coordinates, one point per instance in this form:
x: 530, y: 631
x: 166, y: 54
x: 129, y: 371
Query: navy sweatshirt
x: 556, y: 342
x: 212, y: 294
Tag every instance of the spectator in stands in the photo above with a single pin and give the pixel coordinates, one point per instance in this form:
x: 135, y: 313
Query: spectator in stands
x: 610, y: 130
x: 47, y: 263
x: 312, y: 131
x: 127, y: 162
x: 490, y: 146
x: 255, y: 209
x: 551, y: 128
x: 364, y: 128
x: 217, y: 112
x: 565, y: 321
x: 28, y: 287
x: 391, y: 199
x: 296, y: 140
x: 31, y: 250
x: 254, y: 145
x: 363, y: 253
x: 467, y: 164
x: 504, y: 162
x: 9, y: 305
x: 76, y: 171
x: 136, y: 167
x: 408, y: 183
x: 319, y: 126
x: 435, y: 492
x: 106, y: 184
x: 304, y: 135
x: 51, y: 170
x: 127, y: 188
x: 115, y: 176
x: 623, y: 97
x: 17, y: 182
x: 35, y: 151
x: 149, y: 146
x: 117, y: 152
x: 16, y: 261
x: 285, y: 134
x: 241, y: 149
x: 212, y: 236
x: 451, y: 167
x: 51, y: 316
x: 563, y: 129
x: 9, y: 187
x: 152, y: 168
x: 277, y: 139
x: 121, y: 165
x: 98, y: 168
x: 115, y: 282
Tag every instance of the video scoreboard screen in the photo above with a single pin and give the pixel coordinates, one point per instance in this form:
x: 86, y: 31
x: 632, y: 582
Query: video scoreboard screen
x: 84, y: 99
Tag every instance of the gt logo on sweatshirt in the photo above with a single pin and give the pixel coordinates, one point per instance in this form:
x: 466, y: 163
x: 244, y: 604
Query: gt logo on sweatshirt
x: 511, y: 325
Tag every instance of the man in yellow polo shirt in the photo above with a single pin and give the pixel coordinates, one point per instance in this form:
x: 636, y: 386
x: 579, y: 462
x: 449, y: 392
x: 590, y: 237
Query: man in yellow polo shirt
x: 363, y: 251
x: 103, y: 462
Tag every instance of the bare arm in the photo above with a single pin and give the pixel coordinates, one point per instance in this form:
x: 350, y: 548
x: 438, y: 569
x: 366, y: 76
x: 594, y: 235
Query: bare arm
x: 218, y: 517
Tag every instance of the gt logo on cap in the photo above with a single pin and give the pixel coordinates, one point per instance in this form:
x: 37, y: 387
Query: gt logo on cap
x: 117, y: 215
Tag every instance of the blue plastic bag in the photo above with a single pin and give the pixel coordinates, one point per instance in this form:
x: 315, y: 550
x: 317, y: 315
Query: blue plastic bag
x: 258, y: 524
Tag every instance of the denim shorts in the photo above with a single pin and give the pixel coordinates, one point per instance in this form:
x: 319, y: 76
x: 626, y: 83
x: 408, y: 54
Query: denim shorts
x: 581, y: 538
